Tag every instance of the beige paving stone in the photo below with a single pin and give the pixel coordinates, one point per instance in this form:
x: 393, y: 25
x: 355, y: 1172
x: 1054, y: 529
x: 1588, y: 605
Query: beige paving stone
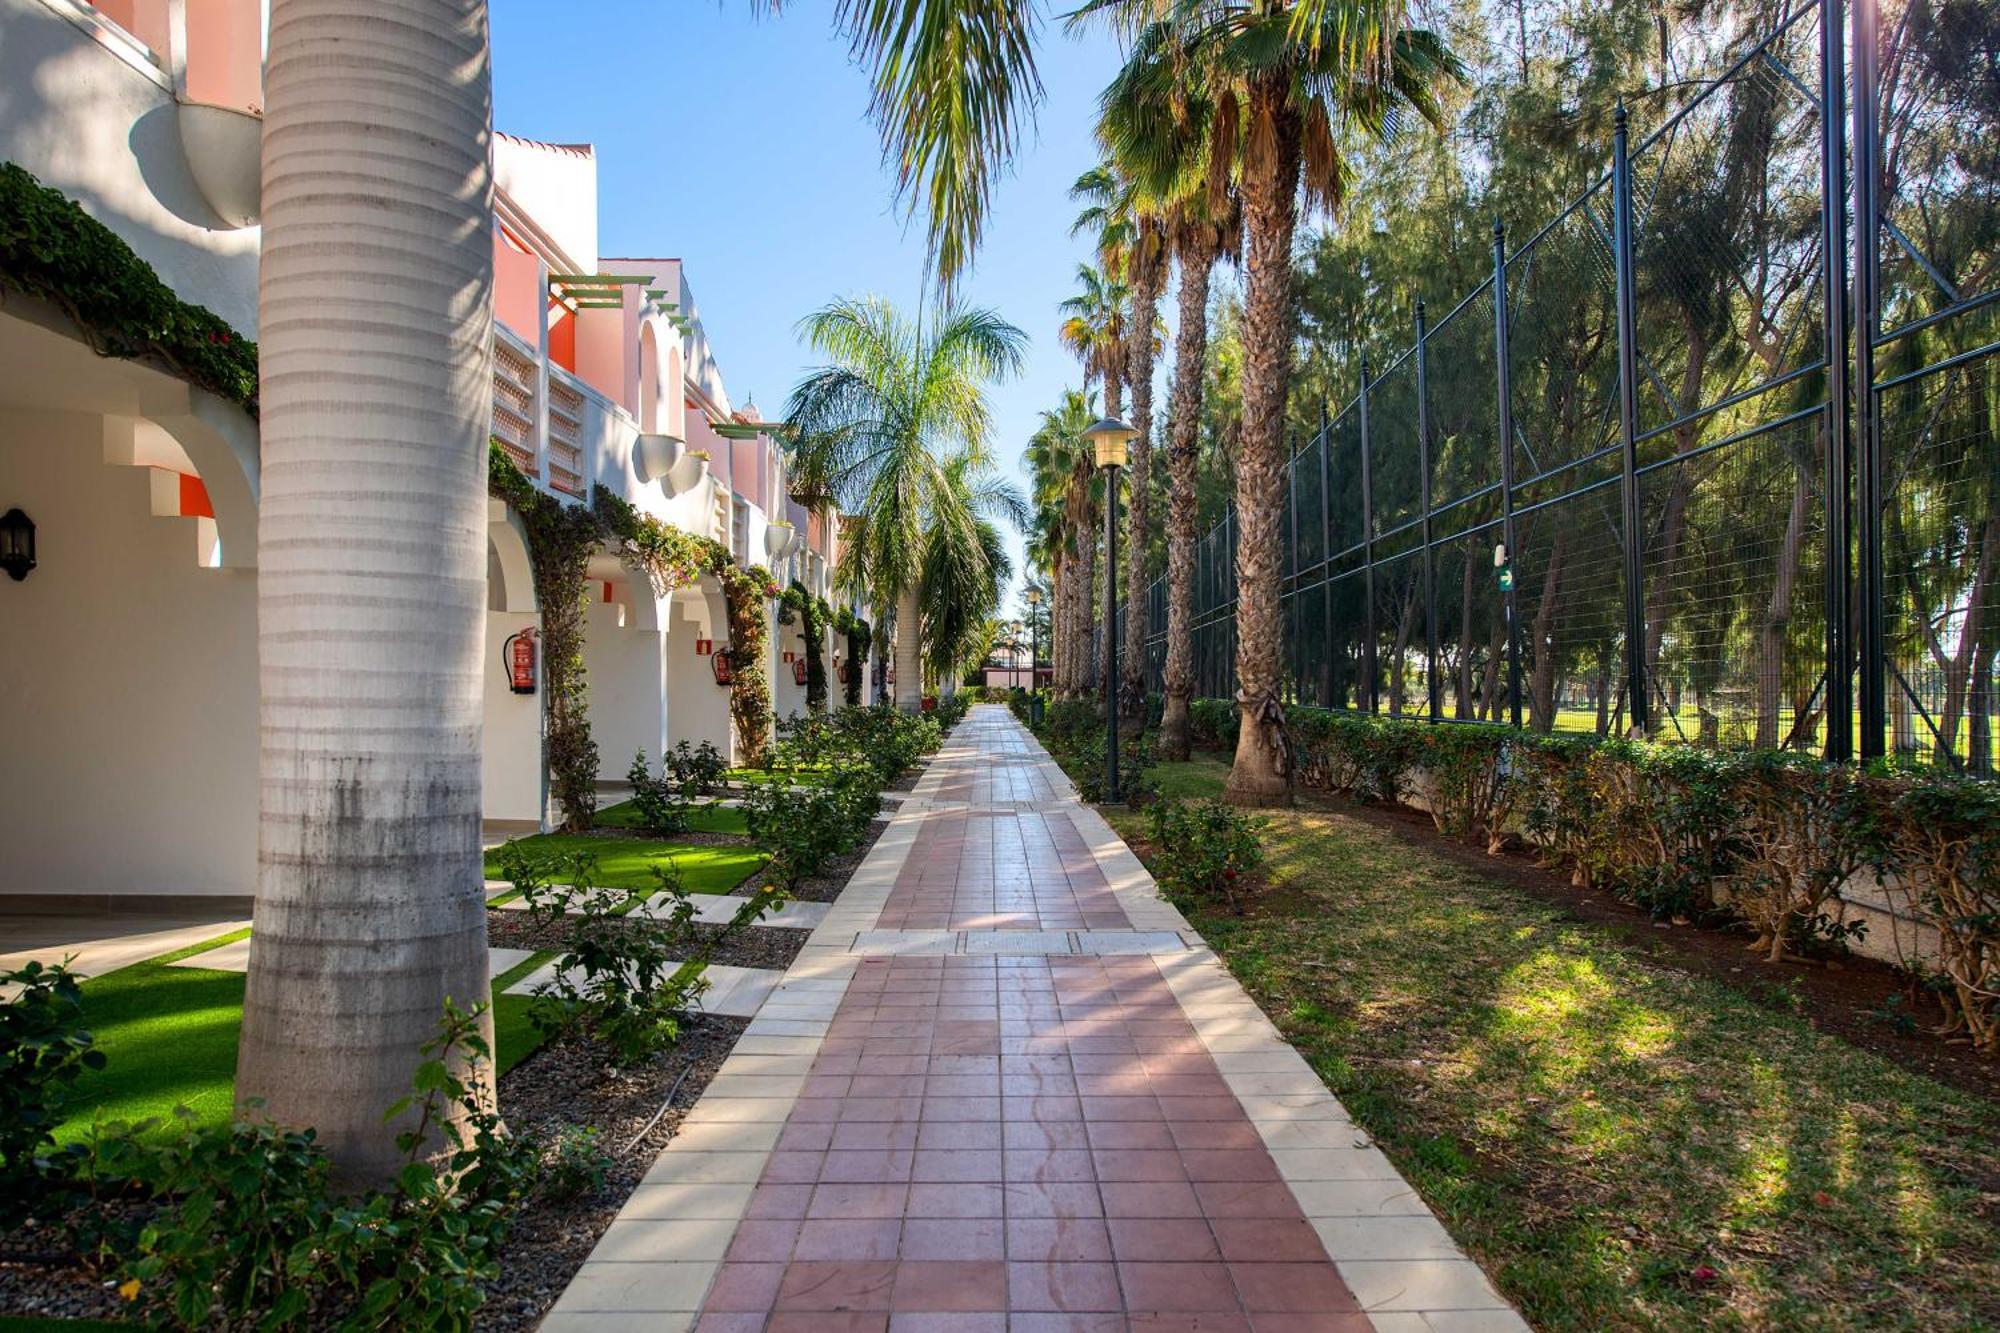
x: 705, y: 1168
x: 664, y: 1240
x: 726, y: 1136
x: 632, y: 1288
x: 1358, y: 1198
x: 1476, y: 1321
x: 1408, y: 1237
x: 599, y: 1321
x: 1419, y: 1284
x: 1333, y: 1164
x: 726, y: 1201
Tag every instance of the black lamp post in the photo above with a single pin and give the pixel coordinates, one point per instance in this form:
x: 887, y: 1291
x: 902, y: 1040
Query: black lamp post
x: 1108, y: 437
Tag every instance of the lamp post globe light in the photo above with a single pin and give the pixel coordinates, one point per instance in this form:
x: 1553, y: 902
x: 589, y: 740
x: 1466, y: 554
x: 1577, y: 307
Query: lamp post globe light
x: 1108, y: 437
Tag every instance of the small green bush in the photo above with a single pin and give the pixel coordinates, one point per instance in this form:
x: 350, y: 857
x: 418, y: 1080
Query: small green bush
x: 1202, y: 850
x: 661, y: 803
x: 804, y: 827
x: 696, y: 769
x: 43, y: 1049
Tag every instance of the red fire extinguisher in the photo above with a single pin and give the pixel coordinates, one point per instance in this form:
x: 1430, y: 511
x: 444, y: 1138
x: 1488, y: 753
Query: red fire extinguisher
x: 798, y: 671
x: 520, y: 658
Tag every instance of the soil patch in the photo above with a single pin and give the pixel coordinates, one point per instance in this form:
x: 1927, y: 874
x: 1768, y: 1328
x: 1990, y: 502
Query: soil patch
x: 772, y: 947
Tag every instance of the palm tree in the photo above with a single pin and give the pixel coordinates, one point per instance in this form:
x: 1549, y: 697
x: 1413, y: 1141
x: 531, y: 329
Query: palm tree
x: 1060, y: 460
x: 1094, y: 331
x: 1158, y: 122
x: 1134, y: 218
x: 966, y: 569
x: 1289, y: 79
x: 371, y: 586
x: 894, y: 430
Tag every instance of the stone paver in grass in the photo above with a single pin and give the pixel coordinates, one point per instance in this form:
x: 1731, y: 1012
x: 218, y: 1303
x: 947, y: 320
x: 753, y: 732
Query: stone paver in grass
x: 737, y: 992
x: 235, y: 957
x: 1005, y: 1087
x: 626, y: 863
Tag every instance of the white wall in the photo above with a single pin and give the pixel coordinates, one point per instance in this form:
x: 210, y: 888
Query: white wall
x: 511, y: 745
x: 128, y: 684
x: 697, y: 708
x: 787, y: 699
x: 91, y: 118
x: 627, y: 690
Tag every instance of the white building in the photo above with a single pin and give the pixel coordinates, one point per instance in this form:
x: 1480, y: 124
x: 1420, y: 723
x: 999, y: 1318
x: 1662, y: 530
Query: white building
x: 128, y: 673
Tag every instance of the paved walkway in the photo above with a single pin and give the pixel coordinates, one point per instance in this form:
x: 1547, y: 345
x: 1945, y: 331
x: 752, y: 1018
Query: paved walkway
x: 1006, y: 1089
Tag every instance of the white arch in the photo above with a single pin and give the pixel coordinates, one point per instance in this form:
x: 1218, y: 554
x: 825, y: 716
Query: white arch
x: 507, y: 537
x: 220, y: 439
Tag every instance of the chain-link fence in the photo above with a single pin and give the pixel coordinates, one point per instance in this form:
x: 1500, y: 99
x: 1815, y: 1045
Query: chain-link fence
x: 1638, y: 480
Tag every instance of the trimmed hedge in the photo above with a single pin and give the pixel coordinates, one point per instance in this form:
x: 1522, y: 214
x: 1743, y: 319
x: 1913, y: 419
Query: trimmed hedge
x: 1768, y: 837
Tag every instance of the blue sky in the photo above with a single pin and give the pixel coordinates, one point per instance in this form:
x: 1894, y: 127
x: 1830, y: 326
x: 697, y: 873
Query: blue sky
x: 740, y: 143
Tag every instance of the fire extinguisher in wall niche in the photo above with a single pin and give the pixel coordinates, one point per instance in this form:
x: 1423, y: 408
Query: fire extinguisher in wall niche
x: 519, y: 654
x: 723, y: 670
x: 798, y: 671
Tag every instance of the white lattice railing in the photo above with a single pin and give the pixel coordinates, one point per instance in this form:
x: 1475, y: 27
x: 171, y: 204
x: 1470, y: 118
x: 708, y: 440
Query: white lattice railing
x: 514, y: 380
x: 565, y: 438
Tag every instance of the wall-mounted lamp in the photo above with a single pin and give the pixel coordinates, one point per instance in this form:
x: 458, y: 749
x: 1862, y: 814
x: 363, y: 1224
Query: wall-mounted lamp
x: 17, y: 544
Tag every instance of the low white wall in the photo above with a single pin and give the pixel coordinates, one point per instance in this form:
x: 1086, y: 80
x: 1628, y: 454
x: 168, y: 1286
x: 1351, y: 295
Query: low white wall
x: 627, y: 691
x: 128, y: 684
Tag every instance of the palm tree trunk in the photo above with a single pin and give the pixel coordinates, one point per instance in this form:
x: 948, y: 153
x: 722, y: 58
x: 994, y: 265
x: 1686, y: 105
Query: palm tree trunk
x: 371, y: 587
x: 1149, y: 273
x: 1261, y: 775
x: 1183, y: 453
x: 909, y: 657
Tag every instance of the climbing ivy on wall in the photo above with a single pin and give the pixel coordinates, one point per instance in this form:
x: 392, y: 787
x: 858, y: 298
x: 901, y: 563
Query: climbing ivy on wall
x: 53, y: 250
x: 858, y: 637
x: 814, y: 616
x: 746, y: 591
x: 561, y: 539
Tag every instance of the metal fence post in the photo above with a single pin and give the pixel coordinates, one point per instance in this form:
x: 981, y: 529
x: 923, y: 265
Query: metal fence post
x: 1367, y: 546
x: 1505, y: 420
x: 1839, y: 452
x: 1868, y: 409
x: 1429, y: 572
x: 1325, y: 557
x: 1628, y: 421
x: 1288, y: 615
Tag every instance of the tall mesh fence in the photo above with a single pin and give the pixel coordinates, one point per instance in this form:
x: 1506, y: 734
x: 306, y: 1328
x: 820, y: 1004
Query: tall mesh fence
x: 1616, y: 472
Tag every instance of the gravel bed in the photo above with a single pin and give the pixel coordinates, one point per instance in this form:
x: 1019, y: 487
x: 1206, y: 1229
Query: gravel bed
x: 569, y: 1083
x: 771, y: 947
x: 58, y: 1290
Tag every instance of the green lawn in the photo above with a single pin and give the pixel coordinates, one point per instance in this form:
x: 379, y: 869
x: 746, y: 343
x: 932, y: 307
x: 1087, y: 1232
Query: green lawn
x: 705, y: 818
x: 626, y: 863
x: 1622, y: 1145
x: 169, y: 1039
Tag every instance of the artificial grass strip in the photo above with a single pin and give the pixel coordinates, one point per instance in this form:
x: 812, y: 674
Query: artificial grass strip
x: 706, y: 818
x: 626, y: 863
x: 169, y: 1039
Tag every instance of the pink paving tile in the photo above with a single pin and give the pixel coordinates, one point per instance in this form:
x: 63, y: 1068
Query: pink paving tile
x: 1034, y: 1145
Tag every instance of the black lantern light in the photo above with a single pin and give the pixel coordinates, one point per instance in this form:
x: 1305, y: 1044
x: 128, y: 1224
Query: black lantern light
x: 17, y: 544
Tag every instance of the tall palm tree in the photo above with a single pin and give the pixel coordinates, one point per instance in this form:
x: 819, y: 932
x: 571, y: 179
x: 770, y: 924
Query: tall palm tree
x: 894, y: 429
x: 1094, y: 330
x: 371, y: 587
x: 1134, y: 218
x: 966, y: 569
x: 1060, y: 460
x: 1291, y: 79
x: 1158, y: 122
